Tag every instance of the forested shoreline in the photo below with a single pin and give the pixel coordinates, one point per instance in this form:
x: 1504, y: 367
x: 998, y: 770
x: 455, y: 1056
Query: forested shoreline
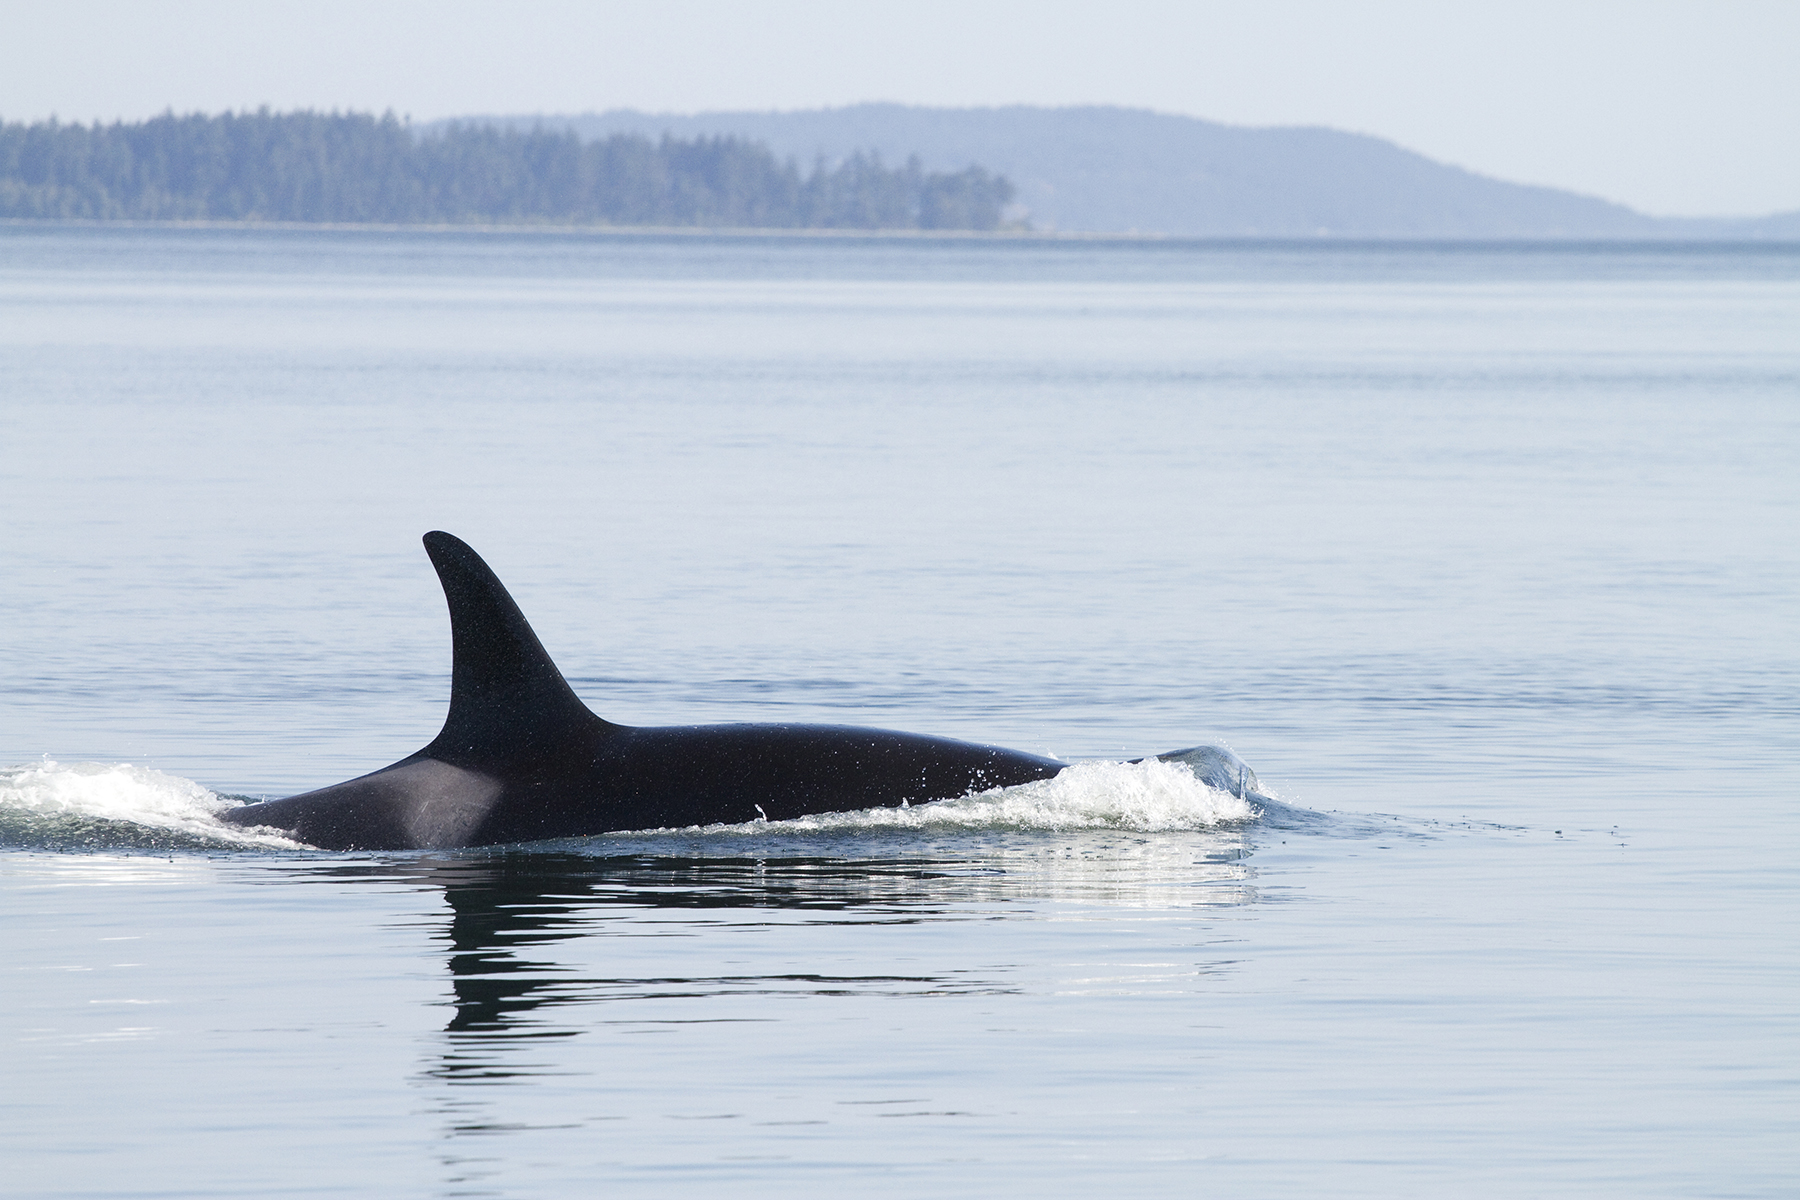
x: 360, y: 168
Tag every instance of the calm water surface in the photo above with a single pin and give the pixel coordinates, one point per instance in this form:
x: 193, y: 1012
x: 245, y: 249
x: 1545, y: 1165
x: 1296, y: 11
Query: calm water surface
x: 1483, y: 557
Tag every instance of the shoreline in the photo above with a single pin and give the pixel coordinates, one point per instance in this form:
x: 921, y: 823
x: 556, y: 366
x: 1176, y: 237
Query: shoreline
x: 1006, y: 236
x: 727, y: 231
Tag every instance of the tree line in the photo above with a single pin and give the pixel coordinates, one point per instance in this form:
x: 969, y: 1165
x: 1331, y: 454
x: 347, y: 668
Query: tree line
x: 359, y: 168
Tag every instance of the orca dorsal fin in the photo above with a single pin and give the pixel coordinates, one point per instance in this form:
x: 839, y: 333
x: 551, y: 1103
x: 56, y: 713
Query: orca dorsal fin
x: 506, y: 697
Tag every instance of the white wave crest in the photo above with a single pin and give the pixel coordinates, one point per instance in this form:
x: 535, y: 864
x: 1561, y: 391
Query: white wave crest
x: 67, y: 798
x: 1139, y: 797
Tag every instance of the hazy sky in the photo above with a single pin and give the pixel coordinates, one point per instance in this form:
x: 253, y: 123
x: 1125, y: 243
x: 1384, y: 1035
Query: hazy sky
x: 1674, y: 108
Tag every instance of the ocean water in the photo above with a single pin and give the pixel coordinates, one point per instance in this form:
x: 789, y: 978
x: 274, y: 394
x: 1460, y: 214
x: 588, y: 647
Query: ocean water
x: 1483, y: 557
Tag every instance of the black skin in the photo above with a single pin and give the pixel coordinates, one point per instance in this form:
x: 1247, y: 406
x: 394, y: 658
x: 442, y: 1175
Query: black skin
x: 521, y: 758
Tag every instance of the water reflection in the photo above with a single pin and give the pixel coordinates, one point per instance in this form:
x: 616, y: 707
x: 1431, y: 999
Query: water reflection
x: 558, y: 958
x: 504, y: 906
x: 510, y: 910
x: 654, y: 958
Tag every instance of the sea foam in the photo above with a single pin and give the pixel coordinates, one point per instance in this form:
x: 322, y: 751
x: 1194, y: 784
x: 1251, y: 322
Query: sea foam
x: 1140, y: 797
x: 52, y: 805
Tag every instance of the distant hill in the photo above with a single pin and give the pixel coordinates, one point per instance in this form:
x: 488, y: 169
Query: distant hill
x: 1121, y: 170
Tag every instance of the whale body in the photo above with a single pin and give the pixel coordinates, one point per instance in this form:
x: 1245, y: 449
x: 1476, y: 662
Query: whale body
x: 520, y: 757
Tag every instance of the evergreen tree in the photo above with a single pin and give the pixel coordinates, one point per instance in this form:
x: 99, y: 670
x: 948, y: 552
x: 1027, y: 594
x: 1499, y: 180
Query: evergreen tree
x: 359, y: 168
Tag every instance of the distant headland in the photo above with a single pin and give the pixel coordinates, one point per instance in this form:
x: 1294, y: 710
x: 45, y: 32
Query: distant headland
x: 356, y: 168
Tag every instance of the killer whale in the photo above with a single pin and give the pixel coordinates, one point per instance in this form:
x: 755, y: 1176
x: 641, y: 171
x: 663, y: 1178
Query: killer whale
x: 521, y: 758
